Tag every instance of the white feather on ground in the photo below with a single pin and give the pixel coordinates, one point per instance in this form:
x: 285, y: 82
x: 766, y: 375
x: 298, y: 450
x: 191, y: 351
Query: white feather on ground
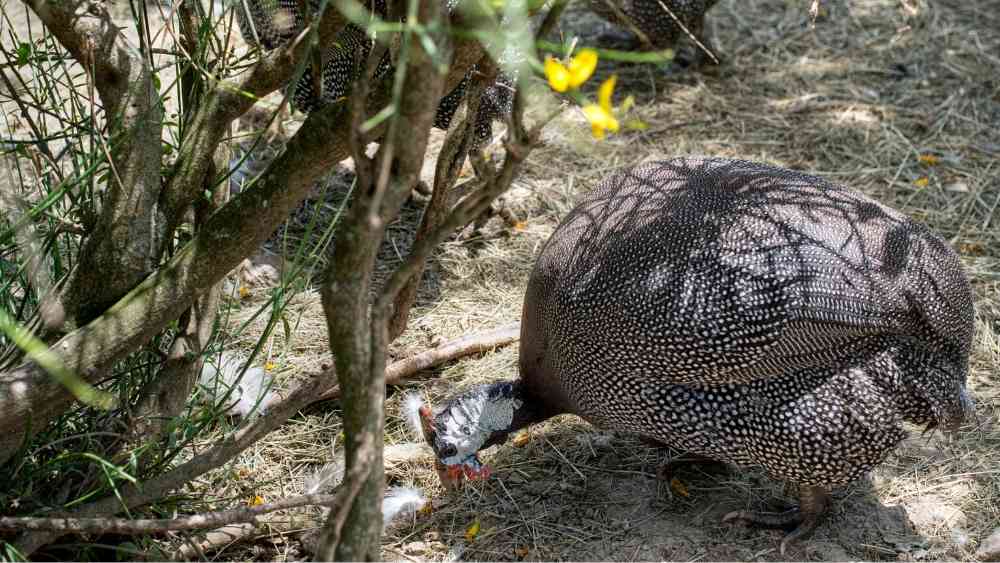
x: 329, y: 476
x: 220, y: 380
x: 326, y: 478
x: 411, y: 406
x: 400, y: 502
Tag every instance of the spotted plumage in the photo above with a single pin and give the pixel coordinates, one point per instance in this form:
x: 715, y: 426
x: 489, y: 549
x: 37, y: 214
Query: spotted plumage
x: 747, y: 313
x: 664, y: 23
x: 273, y: 22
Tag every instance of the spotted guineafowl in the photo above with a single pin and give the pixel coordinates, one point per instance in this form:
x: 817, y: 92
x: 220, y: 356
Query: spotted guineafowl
x: 663, y: 23
x: 746, y: 313
x: 273, y: 22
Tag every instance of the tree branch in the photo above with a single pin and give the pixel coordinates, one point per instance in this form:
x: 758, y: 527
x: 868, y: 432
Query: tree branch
x: 452, y: 155
x: 65, y: 524
x: 127, y: 243
x: 451, y: 350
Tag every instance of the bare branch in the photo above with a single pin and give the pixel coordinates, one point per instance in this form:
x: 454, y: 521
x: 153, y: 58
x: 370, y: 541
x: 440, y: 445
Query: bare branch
x: 451, y: 350
x: 452, y: 155
x: 159, y: 525
x: 132, y: 496
x: 127, y: 243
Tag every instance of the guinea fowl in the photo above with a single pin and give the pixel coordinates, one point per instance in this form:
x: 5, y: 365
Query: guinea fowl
x: 739, y: 311
x: 662, y: 23
x: 274, y: 22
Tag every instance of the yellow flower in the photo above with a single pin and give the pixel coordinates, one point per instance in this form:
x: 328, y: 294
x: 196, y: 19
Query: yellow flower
x: 600, y: 114
x: 255, y: 500
x: 922, y: 182
x: 269, y: 366
x: 563, y: 78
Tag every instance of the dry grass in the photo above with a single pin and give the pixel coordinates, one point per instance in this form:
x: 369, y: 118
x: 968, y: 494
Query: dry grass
x: 877, y: 85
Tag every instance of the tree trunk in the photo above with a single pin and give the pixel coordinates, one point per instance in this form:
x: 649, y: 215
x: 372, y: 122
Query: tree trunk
x: 358, y: 336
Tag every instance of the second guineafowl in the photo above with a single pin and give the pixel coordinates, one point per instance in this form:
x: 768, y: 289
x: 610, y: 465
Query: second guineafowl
x: 662, y: 24
x: 746, y: 313
x: 274, y: 22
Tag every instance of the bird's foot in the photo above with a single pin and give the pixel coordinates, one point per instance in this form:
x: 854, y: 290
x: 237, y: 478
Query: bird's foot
x: 799, y: 521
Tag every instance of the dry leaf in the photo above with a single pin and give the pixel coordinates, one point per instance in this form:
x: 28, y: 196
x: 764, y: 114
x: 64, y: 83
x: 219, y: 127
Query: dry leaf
x: 928, y: 159
x: 520, y: 226
x: 426, y: 509
x: 522, y: 551
x: 472, y: 531
x: 522, y: 438
x: 922, y: 182
x: 678, y: 487
x: 255, y: 500
x: 972, y: 248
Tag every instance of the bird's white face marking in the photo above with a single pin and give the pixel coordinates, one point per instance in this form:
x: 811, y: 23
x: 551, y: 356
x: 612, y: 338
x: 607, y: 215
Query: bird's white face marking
x: 465, y: 425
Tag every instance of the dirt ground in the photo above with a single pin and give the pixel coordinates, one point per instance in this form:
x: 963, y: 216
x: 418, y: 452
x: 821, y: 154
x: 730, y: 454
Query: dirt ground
x: 867, y: 98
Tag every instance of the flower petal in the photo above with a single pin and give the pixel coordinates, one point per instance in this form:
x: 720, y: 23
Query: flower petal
x: 557, y: 74
x: 605, y: 92
x: 600, y: 120
x: 582, y: 66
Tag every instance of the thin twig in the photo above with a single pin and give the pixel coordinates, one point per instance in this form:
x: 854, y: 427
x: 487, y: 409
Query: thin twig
x: 451, y: 350
x: 204, y: 520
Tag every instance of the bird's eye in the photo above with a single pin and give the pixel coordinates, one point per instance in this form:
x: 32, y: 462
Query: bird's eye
x: 466, y: 430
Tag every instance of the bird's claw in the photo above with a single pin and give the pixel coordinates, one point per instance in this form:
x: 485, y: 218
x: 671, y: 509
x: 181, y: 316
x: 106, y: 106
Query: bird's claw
x: 797, y: 524
x: 799, y: 521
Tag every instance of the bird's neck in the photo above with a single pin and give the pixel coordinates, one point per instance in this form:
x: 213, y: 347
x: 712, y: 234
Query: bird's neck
x: 512, y: 400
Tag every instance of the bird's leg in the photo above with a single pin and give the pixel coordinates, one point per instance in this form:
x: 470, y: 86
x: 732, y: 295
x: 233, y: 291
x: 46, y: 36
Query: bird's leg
x: 668, y: 470
x: 800, y: 521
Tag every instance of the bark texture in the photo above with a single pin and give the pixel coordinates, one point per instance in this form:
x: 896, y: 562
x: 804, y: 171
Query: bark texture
x: 126, y: 243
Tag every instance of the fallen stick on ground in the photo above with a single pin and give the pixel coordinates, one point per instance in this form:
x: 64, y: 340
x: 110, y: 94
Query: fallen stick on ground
x: 394, y: 373
x: 204, y: 520
x: 215, y: 539
x: 451, y: 350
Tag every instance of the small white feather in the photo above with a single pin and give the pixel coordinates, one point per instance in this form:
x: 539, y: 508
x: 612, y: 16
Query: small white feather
x: 246, y: 393
x: 411, y: 406
x: 326, y: 478
x: 400, y: 502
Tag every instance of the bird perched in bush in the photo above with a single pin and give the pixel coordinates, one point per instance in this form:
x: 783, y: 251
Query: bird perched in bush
x: 749, y: 314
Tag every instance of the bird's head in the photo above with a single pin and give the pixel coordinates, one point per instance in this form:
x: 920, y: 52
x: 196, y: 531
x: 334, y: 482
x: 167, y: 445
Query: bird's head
x: 468, y: 423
